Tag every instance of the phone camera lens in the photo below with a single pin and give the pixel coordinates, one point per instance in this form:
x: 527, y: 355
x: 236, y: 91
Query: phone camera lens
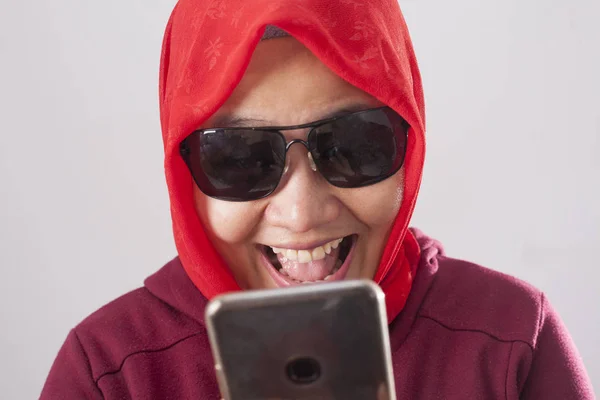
x: 303, y: 370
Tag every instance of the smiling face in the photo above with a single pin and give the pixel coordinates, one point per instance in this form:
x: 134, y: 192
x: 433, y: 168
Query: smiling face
x: 294, y: 234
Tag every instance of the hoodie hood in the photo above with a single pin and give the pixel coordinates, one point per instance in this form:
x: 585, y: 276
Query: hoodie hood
x: 206, y: 49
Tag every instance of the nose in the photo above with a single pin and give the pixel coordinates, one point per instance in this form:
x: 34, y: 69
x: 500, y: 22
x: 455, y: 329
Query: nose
x: 304, y: 200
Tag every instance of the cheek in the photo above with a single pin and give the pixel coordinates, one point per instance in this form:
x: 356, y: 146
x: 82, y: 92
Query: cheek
x: 226, y: 221
x: 377, y: 206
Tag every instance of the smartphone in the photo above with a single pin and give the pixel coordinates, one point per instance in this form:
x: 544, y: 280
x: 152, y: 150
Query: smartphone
x: 312, y: 341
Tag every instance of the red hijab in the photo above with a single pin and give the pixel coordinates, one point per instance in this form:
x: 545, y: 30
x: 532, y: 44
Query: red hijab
x: 207, y: 47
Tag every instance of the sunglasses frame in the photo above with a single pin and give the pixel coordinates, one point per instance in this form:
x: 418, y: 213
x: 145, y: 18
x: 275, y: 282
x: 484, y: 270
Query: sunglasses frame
x: 185, y: 151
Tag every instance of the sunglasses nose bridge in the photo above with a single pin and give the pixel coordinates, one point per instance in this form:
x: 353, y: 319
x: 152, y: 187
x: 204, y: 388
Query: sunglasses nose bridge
x: 305, y: 144
x: 294, y: 141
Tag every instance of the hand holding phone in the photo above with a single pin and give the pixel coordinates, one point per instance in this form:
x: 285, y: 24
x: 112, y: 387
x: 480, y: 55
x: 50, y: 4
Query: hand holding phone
x: 320, y: 341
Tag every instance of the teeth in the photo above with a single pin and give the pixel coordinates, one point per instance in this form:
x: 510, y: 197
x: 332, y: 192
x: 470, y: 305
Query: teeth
x: 318, y: 253
x: 305, y: 256
x: 291, y: 255
x: 335, y: 243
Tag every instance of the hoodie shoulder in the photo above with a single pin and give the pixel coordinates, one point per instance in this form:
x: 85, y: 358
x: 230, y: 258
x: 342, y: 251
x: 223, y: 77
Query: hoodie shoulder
x: 464, y: 296
x: 134, y: 323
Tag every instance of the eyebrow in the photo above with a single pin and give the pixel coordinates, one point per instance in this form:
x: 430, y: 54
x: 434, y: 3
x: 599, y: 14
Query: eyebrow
x: 236, y: 121
x: 240, y: 121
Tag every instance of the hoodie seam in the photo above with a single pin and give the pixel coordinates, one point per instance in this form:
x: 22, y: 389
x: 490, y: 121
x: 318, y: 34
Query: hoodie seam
x: 512, y: 345
x: 540, y: 320
x: 89, y: 364
x: 472, y: 330
x: 146, y: 351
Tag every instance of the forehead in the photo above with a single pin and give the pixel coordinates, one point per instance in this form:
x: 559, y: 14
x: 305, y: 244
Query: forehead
x: 285, y: 84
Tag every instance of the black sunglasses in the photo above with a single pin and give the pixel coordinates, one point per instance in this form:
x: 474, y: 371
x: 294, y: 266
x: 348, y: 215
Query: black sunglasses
x: 243, y: 164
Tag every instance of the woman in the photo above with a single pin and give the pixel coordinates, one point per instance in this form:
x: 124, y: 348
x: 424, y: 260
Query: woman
x: 297, y: 159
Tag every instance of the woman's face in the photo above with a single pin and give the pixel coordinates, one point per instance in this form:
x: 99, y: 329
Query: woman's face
x: 285, y: 84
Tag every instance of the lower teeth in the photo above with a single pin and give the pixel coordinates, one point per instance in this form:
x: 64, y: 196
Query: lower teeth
x: 338, y: 265
x: 328, y: 277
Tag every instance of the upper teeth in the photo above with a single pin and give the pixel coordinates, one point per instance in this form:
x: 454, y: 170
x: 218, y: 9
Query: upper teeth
x: 304, y: 256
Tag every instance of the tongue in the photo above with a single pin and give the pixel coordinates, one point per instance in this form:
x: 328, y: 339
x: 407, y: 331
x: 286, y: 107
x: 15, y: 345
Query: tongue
x: 310, y: 271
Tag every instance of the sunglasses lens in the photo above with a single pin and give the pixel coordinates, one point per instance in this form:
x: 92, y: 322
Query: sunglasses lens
x: 233, y: 164
x: 357, y: 150
x: 361, y: 149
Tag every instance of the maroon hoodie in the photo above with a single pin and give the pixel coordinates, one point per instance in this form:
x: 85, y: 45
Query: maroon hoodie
x: 458, y: 331
x: 466, y: 332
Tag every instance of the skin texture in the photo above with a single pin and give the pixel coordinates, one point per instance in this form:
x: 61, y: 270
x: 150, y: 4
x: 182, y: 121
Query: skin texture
x: 285, y: 84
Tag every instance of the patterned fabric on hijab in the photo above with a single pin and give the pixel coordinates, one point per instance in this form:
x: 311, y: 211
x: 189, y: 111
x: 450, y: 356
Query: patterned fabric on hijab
x: 207, y: 47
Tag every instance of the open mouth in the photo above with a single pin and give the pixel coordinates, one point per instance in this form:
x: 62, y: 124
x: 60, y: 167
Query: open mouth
x: 329, y: 262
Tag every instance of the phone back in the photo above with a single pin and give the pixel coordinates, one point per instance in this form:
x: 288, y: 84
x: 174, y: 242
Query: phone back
x: 323, y: 341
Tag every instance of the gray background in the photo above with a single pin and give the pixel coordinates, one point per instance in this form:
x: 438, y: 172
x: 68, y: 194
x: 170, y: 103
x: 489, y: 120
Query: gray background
x: 511, y: 180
